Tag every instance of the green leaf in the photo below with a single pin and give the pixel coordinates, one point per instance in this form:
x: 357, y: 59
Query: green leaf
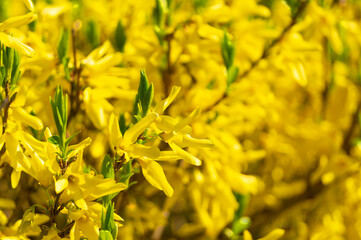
x: 148, y: 100
x: 63, y: 45
x: 105, y: 235
x: 54, y: 140
x: 122, y: 125
x: 159, y: 12
x: 107, y: 168
x: 15, y: 73
x: 135, y: 108
x: 231, y: 75
x: 126, y: 173
x: 125, y: 178
x: 65, y: 62
x: 120, y: 37
x: 240, y: 225
x: 92, y: 34
x: 242, y: 200
x: 143, y: 85
x: 199, y: 5
x: 228, y: 50
x: 59, y: 107
x: 70, y: 138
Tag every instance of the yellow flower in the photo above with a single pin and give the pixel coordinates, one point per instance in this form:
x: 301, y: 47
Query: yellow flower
x: 12, y: 42
x: 177, y: 133
x: 127, y: 145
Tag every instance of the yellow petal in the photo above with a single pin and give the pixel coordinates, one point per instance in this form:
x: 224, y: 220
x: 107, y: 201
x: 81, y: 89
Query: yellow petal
x: 29, y: 4
x: 132, y: 134
x: 17, y: 158
x: 114, y: 131
x: 160, y: 107
x: 106, y: 187
x: 247, y: 235
x: 185, y: 155
x: 154, y: 174
x: 61, y: 184
x: 78, y: 147
x: 7, y: 203
x: 139, y: 150
x: 12, y: 42
x: 75, y: 232
x: 239, y: 182
x: 15, y: 177
x: 183, y: 123
x: 96, y: 114
x: 89, y: 228
x: 168, y: 156
x: 274, y: 235
x: 21, y: 115
x: 18, y: 21
x: 193, y: 142
x: 166, y: 123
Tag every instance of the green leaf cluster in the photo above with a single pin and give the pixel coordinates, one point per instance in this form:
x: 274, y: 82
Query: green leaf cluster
x: 59, y: 107
x: 160, y: 12
x: 143, y: 99
x: 9, y: 68
x: 109, y: 229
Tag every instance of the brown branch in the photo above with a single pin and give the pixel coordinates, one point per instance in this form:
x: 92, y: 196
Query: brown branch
x: 66, y: 230
x: 312, y: 191
x: 327, y: 74
x: 347, y: 143
x: 266, y: 51
x: 5, y: 106
x: 168, y: 70
x: 75, y: 83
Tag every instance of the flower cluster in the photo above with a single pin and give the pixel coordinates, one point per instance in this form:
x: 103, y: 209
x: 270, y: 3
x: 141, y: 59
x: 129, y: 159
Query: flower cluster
x: 178, y: 119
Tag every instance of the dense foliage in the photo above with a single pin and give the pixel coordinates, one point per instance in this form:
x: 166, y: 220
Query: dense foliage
x: 180, y: 119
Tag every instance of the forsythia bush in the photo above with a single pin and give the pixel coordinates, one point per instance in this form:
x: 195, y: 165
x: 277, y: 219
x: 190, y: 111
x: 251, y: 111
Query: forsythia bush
x: 180, y: 119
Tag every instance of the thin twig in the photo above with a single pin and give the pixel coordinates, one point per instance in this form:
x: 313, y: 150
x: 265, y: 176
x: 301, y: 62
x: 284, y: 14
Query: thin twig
x: 266, y: 52
x: 75, y: 84
x: 347, y: 143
